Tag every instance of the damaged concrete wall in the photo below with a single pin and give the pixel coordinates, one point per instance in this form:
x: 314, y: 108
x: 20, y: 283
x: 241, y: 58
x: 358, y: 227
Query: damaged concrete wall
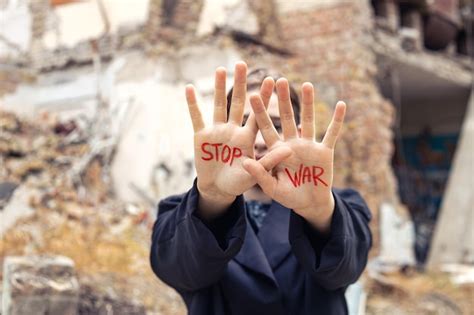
x: 173, y: 21
x: 453, y: 240
x: 34, y: 33
x: 15, y: 29
x: 332, y: 46
x: 149, y: 94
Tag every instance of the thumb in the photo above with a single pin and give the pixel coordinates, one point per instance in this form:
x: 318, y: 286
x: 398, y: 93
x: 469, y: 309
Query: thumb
x: 260, y: 169
x: 274, y: 157
x: 266, y: 181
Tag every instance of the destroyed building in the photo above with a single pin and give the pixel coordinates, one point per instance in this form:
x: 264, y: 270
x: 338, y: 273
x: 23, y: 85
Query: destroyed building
x: 398, y: 64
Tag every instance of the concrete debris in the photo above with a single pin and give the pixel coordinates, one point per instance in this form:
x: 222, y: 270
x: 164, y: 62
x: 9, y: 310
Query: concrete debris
x: 437, y: 303
x: 130, y: 86
x: 110, y: 293
x: 39, y: 285
x: 69, y: 94
x: 397, y: 236
x: 47, y: 210
x: 408, y: 291
x: 390, y: 47
x: 410, y: 39
x: 49, y: 285
x: 6, y: 191
x: 356, y: 298
x: 93, y: 301
x: 51, y: 164
x: 460, y: 274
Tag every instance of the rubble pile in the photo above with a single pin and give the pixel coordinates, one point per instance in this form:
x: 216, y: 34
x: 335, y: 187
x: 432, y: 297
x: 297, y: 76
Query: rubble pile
x: 104, y: 294
x: 55, y: 199
x: 11, y: 77
x: 409, y: 291
x: 39, y: 285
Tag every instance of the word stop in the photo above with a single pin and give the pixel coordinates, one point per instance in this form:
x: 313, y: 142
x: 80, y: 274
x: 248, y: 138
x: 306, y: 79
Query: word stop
x: 306, y: 174
x: 222, y: 153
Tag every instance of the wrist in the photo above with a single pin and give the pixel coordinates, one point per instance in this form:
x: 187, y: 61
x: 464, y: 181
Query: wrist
x: 212, y: 194
x: 319, y: 216
x: 212, y: 204
x: 215, y: 198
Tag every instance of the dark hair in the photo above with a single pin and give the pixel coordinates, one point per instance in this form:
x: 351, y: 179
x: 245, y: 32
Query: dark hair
x: 254, y: 81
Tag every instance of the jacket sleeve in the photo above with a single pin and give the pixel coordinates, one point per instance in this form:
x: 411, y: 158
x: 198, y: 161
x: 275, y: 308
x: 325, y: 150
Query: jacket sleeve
x: 336, y: 260
x: 186, y: 253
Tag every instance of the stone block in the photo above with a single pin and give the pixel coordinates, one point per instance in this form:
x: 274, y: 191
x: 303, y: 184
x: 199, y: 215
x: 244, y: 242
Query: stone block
x: 39, y: 285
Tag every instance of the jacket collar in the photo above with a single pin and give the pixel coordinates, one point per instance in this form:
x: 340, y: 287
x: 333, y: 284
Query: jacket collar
x: 273, y: 234
x: 264, y: 251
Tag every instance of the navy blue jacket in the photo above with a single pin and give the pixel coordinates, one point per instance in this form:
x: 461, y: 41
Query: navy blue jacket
x: 287, y: 268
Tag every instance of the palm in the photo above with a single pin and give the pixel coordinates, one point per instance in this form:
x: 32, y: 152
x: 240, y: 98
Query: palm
x: 220, y: 151
x: 302, y: 181
x: 305, y: 178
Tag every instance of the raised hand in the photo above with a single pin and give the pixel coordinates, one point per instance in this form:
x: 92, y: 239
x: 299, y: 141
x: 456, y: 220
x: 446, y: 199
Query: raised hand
x: 302, y: 181
x: 220, y: 149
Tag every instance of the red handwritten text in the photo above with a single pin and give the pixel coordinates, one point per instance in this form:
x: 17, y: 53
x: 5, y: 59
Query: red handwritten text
x: 222, y: 153
x: 306, y: 174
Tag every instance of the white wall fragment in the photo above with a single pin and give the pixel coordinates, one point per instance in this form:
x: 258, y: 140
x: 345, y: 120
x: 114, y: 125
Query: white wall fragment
x: 126, y: 13
x: 460, y: 273
x: 285, y: 6
x: 453, y: 239
x: 75, y: 23
x: 69, y: 91
x: 233, y: 14
x: 397, y: 237
x: 156, y: 129
x: 15, y: 28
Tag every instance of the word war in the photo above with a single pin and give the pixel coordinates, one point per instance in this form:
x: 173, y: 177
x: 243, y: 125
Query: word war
x: 225, y: 154
x: 306, y: 174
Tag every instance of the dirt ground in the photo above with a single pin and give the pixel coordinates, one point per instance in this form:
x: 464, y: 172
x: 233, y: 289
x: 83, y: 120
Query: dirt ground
x: 419, y: 293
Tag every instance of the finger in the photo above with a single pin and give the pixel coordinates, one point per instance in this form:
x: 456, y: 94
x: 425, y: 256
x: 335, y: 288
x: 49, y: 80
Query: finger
x: 264, y: 179
x: 266, y: 91
x: 194, y: 111
x: 335, y: 126
x: 252, y: 123
x: 238, y: 94
x: 265, y: 124
x: 220, y: 99
x: 286, y: 111
x: 307, y: 111
x: 274, y: 157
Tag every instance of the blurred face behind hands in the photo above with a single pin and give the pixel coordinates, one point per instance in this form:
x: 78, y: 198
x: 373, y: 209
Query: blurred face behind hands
x: 260, y: 147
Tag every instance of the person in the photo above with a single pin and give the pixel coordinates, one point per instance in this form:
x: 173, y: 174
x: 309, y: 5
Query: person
x: 262, y: 230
